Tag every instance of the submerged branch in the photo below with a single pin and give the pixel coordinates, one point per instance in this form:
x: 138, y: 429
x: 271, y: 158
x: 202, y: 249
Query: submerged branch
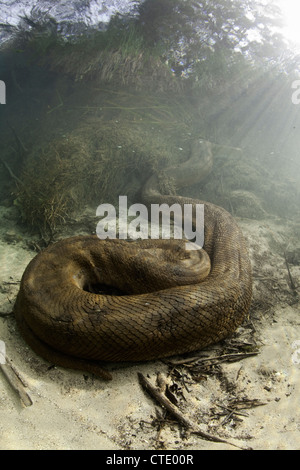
x: 12, y: 175
x: 177, y: 414
x: 15, y: 381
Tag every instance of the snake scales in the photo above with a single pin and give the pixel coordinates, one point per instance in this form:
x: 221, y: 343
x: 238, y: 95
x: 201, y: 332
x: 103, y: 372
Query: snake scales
x: 64, y: 321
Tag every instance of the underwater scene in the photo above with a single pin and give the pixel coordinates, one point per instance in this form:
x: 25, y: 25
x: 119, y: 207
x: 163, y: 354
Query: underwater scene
x: 150, y: 227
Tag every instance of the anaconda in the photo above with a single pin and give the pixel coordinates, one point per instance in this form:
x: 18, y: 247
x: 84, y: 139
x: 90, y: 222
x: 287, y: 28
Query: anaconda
x: 165, y: 304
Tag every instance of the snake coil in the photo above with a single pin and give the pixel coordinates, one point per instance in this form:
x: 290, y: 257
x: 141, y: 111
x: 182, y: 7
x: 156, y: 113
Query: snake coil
x: 166, y: 308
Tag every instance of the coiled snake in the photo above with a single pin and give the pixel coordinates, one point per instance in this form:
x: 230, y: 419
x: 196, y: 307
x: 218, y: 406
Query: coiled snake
x: 66, y: 322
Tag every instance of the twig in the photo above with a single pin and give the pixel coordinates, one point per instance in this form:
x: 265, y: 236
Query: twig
x: 13, y: 176
x: 231, y: 413
x: 15, y: 381
x: 19, y: 141
x: 61, y: 103
x: 216, y: 359
x: 176, y: 413
x: 16, y: 83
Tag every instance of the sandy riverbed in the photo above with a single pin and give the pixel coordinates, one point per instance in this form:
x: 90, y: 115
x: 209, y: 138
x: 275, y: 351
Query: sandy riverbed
x: 73, y: 410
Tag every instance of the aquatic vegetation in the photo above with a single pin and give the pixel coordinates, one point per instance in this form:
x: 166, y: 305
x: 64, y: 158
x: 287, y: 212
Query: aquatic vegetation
x: 94, y: 163
x: 124, y: 102
x: 117, y: 55
x: 52, y: 183
x: 104, y: 61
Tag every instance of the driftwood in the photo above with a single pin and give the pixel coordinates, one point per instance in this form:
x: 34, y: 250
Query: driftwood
x: 193, y: 427
x: 15, y: 381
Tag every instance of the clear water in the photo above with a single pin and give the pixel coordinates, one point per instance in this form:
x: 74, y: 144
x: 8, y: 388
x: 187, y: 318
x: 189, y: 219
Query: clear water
x: 72, y: 140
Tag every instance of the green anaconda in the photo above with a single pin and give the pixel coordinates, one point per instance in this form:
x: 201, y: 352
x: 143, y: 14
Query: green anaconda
x: 166, y: 306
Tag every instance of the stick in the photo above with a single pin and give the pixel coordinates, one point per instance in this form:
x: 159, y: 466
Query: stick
x: 13, y: 176
x: 15, y: 381
x: 215, y: 359
x: 164, y: 401
x: 19, y: 141
x: 61, y: 103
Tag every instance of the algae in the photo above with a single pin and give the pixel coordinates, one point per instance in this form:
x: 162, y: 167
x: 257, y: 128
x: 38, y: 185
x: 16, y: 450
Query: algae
x: 94, y: 163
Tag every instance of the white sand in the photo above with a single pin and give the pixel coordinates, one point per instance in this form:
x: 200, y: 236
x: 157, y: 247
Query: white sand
x: 73, y: 410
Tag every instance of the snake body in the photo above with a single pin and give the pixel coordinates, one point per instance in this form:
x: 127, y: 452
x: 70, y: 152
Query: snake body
x: 166, y: 308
